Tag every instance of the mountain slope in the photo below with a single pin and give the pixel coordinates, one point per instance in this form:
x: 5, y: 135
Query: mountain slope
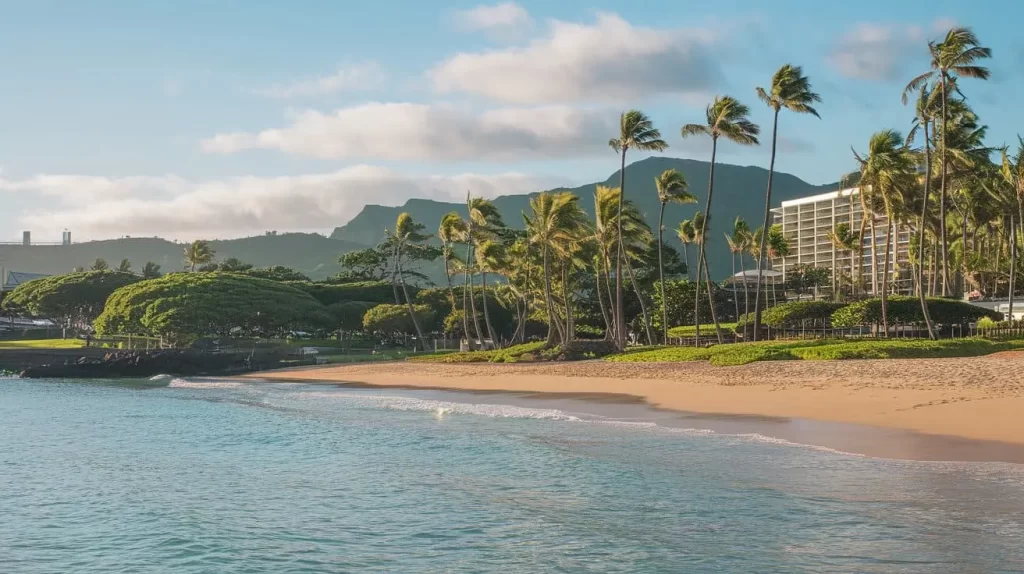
x: 309, y: 253
x: 739, y: 191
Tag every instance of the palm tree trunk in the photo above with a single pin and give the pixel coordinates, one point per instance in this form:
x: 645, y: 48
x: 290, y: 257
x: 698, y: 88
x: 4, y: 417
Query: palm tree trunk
x: 874, y: 258
x: 1013, y: 265
x: 570, y: 328
x: 600, y: 301
x: 746, y: 290
x: 921, y: 238
x: 606, y: 262
x: 661, y: 273
x: 640, y: 297
x: 394, y: 271
x: 711, y: 304
x: 448, y: 276
x: 885, y: 279
x: 472, y: 302
x: 470, y: 339
x: 487, y: 314
x: 735, y: 299
x: 554, y: 325
x: 620, y: 313
x: 408, y: 301
x: 942, y: 196
x: 686, y: 260
x: 764, y: 225
x: 700, y: 243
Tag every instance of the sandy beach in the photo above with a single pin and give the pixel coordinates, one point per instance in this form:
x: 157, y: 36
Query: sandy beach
x: 975, y: 398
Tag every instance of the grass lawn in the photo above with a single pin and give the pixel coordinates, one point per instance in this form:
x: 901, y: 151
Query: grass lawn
x: 342, y: 358
x: 818, y: 350
x: 508, y: 355
x: 43, y: 344
x: 709, y: 329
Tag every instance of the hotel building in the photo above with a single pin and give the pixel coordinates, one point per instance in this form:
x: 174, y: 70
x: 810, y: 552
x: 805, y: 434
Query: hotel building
x: 806, y: 224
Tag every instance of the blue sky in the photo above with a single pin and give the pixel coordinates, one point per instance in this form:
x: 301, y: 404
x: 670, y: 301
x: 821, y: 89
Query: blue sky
x: 195, y: 119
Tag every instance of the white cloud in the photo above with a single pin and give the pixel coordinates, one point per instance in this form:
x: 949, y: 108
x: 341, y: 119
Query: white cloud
x: 881, y: 52
x: 407, y: 131
x: 609, y: 60
x: 366, y: 76
x: 505, y: 19
x: 177, y: 208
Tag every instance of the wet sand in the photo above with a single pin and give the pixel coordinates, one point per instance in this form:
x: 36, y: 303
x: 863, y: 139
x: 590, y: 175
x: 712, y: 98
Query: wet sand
x: 972, y: 407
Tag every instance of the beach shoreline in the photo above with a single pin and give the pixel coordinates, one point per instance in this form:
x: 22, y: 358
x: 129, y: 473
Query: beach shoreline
x: 975, y: 399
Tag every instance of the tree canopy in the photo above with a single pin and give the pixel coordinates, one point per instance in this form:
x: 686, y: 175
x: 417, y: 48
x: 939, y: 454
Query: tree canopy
x: 73, y: 298
x: 186, y: 306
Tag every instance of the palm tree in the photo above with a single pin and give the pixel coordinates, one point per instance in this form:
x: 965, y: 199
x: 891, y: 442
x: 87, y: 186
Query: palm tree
x: 1013, y: 172
x: 925, y: 104
x: 790, y: 89
x: 739, y: 243
x: 843, y: 238
x: 726, y: 117
x: 408, y: 235
x: 956, y: 56
x: 150, y: 270
x: 687, y: 234
x: 125, y: 266
x: 672, y: 187
x: 635, y: 131
x: 889, y: 169
x: 489, y: 256
x: 554, y: 224
x: 700, y: 221
x: 99, y: 265
x: 198, y: 253
x: 448, y: 232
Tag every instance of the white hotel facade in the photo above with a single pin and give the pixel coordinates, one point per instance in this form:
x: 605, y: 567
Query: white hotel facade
x: 806, y: 224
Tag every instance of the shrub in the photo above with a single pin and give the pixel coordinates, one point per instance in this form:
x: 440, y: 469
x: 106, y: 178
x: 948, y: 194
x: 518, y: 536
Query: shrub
x: 389, y: 318
x: 508, y: 355
x: 579, y: 350
x: 331, y: 293
x: 904, y: 309
x: 903, y: 349
x: 794, y: 313
x: 691, y: 331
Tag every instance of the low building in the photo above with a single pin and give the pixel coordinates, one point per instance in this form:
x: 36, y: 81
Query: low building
x: 10, y: 280
x: 807, y: 223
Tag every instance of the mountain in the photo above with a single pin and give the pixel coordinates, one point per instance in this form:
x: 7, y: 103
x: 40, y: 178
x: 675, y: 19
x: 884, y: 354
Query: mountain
x: 309, y: 253
x: 739, y: 191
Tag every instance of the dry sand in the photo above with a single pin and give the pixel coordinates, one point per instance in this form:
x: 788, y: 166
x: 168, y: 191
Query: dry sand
x: 976, y: 398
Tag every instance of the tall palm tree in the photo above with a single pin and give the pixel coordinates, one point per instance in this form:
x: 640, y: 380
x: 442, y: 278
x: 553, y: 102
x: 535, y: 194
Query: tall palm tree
x: 672, y: 187
x: 480, y: 225
x: 956, y: 56
x: 924, y: 118
x: 150, y: 270
x: 637, y: 132
x: 739, y: 243
x: 790, y: 89
x: 198, y: 253
x: 889, y: 169
x: 1013, y: 172
x: 554, y: 224
x: 408, y: 235
x: 489, y: 256
x: 726, y: 117
x: 700, y: 221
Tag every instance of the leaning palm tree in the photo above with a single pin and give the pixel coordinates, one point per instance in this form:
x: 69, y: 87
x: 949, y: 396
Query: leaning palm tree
x: 198, y: 253
x: 637, y: 132
x: 790, y: 89
x: 956, y: 56
x: 408, y: 235
x: 889, y: 168
x: 739, y: 243
x: 726, y: 117
x: 554, y: 224
x: 448, y: 232
x: 489, y: 257
x: 481, y: 224
x: 672, y: 187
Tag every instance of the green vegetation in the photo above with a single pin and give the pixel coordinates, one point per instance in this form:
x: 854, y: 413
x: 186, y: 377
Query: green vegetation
x: 690, y: 330
x: 508, y: 355
x: 796, y: 313
x: 188, y: 306
x: 819, y: 349
x: 73, y: 299
x: 389, y: 318
x: 907, y: 310
x: 43, y: 344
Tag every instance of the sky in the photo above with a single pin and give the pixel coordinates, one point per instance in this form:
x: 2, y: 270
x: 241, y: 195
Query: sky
x: 192, y: 119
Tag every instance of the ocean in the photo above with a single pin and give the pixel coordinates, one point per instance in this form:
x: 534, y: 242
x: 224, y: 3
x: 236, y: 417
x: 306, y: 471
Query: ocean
x: 208, y: 476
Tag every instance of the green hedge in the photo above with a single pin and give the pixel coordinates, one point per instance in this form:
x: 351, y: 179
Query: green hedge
x: 371, y: 291
x: 511, y: 354
x: 794, y: 313
x: 907, y: 310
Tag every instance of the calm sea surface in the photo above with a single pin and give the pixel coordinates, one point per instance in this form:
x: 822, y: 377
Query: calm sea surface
x: 228, y: 477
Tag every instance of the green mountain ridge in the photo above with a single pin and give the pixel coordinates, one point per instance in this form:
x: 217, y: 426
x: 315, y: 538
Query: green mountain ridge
x: 309, y: 253
x: 739, y: 191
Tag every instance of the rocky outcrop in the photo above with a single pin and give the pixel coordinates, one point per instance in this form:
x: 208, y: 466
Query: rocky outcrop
x: 180, y: 362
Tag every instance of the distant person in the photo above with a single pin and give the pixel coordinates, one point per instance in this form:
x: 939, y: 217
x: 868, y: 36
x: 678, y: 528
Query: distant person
x: 88, y: 339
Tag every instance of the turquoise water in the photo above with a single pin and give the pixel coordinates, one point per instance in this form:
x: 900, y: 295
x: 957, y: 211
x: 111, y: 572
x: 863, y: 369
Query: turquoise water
x: 230, y: 477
